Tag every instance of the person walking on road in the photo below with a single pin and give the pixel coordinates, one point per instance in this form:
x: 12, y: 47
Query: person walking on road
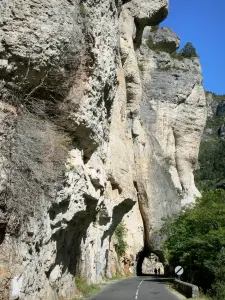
x: 158, y: 271
x: 155, y: 271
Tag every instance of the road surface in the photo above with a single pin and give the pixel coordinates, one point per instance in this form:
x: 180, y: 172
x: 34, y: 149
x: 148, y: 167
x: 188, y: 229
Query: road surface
x: 137, y: 288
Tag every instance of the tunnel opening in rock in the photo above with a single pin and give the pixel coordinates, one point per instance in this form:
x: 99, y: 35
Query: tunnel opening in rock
x: 148, y: 263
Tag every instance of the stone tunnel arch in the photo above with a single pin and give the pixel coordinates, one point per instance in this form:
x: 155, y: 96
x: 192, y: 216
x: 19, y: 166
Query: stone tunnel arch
x: 152, y: 261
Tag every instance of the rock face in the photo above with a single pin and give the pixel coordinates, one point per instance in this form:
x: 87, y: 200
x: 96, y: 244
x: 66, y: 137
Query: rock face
x: 214, y: 104
x: 96, y: 128
x: 215, y: 117
x: 151, y: 264
x: 164, y: 39
x: 210, y: 173
x: 221, y: 131
x: 173, y: 109
x: 220, y: 110
x: 167, y: 111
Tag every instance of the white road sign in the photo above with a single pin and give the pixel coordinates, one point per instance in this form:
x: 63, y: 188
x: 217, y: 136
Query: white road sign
x: 179, y: 270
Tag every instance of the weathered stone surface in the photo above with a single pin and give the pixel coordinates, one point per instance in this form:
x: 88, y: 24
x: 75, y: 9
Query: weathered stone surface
x: 210, y: 104
x: 173, y: 114
x: 67, y: 59
x: 150, y: 264
x: 165, y: 39
x: 173, y: 109
x: 220, y: 110
x: 221, y: 130
x: 70, y: 74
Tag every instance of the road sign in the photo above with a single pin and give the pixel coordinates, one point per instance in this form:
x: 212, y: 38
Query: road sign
x: 179, y: 270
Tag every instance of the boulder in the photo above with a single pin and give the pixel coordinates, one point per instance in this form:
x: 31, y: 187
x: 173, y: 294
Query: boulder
x: 165, y: 39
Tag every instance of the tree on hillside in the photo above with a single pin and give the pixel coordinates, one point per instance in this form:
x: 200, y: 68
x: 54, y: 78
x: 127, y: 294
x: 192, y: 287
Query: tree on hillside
x: 189, y: 50
x: 196, y: 241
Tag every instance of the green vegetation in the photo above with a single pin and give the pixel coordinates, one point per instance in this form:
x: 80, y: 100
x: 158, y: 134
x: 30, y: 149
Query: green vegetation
x: 154, y: 28
x: 172, y: 67
x: 120, y: 235
x: 212, y: 162
x: 83, y: 9
x: 141, y: 67
x: 196, y: 240
x: 177, y: 55
x: 165, y: 68
x: 86, y: 289
x: 155, y: 47
x: 151, y: 45
x: 189, y: 51
x: 216, y: 98
x: 211, y: 153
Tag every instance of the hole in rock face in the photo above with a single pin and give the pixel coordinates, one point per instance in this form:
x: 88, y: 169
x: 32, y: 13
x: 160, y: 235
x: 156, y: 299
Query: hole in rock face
x: 2, y: 235
x: 148, y: 264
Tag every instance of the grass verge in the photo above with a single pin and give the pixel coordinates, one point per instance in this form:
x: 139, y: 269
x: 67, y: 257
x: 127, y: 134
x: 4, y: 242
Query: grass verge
x: 86, y: 289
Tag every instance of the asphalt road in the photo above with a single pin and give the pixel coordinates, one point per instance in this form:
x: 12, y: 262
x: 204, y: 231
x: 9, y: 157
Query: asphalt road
x: 137, y: 288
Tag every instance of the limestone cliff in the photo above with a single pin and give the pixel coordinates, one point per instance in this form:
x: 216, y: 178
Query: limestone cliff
x: 96, y: 128
x: 210, y: 173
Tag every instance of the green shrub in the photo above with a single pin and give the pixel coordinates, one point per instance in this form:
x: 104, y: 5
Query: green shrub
x: 172, y: 67
x: 212, y: 161
x: 154, y: 47
x: 154, y: 28
x: 83, y: 9
x: 165, y: 68
x: 177, y: 55
x: 120, y: 235
x: 150, y: 44
x: 189, y: 51
x: 195, y: 240
x: 218, y: 290
x: 141, y: 67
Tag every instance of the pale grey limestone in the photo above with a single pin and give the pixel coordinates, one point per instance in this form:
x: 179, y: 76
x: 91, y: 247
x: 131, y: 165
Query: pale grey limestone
x: 165, y: 39
x: 82, y: 60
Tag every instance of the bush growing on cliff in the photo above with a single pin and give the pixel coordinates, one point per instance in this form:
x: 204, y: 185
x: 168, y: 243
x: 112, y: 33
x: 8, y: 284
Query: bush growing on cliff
x: 156, y: 47
x: 154, y: 28
x: 120, y: 235
x: 189, y: 51
x: 195, y: 240
x: 177, y: 55
x: 141, y: 67
x: 83, y: 9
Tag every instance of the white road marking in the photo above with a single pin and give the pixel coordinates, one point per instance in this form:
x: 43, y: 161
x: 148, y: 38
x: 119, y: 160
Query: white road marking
x: 136, y: 297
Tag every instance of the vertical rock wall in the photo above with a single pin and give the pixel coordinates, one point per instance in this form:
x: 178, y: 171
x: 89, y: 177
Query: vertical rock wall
x: 88, y: 140
x: 166, y: 109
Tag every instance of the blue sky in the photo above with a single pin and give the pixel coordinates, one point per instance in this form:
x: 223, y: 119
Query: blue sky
x: 202, y: 22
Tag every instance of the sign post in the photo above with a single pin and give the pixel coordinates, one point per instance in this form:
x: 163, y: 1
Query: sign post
x: 179, y: 271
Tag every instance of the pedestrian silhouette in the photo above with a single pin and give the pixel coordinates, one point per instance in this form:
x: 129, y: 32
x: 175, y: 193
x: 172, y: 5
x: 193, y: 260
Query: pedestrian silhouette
x: 158, y: 271
x: 155, y: 270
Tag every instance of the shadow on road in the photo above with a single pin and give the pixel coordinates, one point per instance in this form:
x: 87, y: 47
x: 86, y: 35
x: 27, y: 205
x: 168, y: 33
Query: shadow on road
x: 159, y: 278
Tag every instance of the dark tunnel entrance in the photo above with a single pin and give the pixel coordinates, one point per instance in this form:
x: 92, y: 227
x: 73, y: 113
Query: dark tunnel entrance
x: 148, y: 264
